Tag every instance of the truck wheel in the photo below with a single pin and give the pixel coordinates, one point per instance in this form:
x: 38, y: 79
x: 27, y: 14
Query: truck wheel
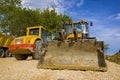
x: 2, y: 53
x: 21, y: 56
x: 38, y: 46
x: 10, y: 55
x: 6, y: 53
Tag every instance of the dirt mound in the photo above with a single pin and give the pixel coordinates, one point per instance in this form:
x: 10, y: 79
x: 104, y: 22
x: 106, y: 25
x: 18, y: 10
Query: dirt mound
x: 114, y: 58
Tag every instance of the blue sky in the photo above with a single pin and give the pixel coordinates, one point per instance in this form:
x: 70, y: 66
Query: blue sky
x: 105, y: 15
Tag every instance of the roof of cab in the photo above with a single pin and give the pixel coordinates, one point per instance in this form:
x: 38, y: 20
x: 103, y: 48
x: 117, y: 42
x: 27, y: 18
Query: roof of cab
x: 35, y: 27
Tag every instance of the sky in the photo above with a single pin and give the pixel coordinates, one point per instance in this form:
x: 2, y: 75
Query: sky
x: 105, y: 15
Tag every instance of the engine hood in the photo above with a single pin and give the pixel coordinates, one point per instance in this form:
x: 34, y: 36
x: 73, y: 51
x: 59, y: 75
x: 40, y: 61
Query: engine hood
x: 25, y: 39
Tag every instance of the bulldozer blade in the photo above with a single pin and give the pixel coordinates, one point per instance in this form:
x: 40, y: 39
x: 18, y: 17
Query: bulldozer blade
x: 84, y: 55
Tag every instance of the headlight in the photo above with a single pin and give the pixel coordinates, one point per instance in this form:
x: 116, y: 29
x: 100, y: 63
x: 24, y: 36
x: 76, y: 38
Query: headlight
x: 18, y: 41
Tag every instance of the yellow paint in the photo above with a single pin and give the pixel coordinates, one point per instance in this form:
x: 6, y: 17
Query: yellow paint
x: 70, y: 36
x: 30, y: 39
x: 5, y: 41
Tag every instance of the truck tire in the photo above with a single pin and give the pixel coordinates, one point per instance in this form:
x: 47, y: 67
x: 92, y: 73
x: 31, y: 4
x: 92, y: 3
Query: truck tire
x: 38, y: 46
x: 10, y: 55
x: 7, y: 53
x: 21, y: 56
x: 2, y: 53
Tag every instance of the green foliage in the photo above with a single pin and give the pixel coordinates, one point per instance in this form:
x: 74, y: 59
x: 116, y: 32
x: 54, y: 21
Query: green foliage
x: 22, y: 19
x: 51, y: 20
x: 7, y: 11
x: 14, y: 18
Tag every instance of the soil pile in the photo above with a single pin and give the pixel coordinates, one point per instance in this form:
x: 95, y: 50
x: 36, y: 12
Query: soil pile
x: 114, y: 58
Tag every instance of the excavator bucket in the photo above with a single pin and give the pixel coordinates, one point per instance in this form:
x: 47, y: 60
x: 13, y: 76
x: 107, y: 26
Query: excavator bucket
x: 86, y: 54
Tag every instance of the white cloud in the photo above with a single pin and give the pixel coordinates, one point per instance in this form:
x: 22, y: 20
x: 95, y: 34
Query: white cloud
x: 117, y: 16
x: 106, y: 33
x: 114, y: 17
x: 37, y: 3
x: 81, y: 2
x: 60, y: 5
x: 42, y: 4
x: 110, y: 35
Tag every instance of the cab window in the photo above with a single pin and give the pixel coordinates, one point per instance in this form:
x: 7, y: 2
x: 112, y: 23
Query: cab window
x: 34, y: 31
x: 44, y: 35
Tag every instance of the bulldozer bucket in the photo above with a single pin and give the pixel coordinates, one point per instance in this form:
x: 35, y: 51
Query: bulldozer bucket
x: 84, y: 55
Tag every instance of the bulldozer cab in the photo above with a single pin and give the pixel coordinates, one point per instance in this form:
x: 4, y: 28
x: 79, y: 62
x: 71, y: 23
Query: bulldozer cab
x: 77, y: 30
x: 76, y: 25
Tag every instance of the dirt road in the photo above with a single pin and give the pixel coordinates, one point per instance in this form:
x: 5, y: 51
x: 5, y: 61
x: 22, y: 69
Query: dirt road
x: 11, y: 69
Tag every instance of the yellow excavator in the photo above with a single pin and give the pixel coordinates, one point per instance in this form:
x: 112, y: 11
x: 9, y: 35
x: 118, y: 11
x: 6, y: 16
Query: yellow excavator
x: 73, y: 50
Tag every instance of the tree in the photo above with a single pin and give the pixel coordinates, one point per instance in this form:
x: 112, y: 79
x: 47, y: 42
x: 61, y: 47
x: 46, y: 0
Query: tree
x: 51, y: 20
x: 24, y: 18
x: 14, y: 18
x: 7, y: 8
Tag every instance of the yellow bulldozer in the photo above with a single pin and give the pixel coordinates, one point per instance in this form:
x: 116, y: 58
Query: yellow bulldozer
x: 74, y: 50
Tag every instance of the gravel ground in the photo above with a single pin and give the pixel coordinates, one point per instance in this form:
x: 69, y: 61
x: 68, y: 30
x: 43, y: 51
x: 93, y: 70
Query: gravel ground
x: 11, y: 69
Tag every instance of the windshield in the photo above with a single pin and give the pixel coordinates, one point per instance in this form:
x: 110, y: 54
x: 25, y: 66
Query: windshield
x: 69, y: 28
x: 34, y: 31
x: 44, y: 35
x: 78, y: 26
